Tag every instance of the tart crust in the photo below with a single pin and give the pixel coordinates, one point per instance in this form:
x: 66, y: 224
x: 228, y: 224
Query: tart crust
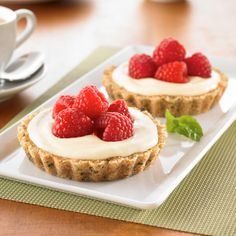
x: 158, y: 104
x: 90, y: 170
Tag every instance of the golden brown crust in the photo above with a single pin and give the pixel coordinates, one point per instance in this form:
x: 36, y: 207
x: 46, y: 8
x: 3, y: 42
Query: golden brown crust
x: 90, y: 170
x: 157, y: 105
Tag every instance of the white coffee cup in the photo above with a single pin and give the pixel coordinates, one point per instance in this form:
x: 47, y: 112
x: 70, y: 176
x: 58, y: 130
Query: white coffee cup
x: 8, y: 32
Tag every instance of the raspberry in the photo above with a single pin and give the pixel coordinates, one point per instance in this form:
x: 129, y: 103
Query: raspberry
x: 141, y: 66
x: 91, y: 102
x: 62, y: 103
x: 175, y: 72
x: 168, y: 50
x: 198, y: 65
x: 113, y: 126
x: 70, y: 123
x: 121, y: 107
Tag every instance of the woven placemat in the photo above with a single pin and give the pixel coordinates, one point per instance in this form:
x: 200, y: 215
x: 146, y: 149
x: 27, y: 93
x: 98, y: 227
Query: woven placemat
x: 204, y: 203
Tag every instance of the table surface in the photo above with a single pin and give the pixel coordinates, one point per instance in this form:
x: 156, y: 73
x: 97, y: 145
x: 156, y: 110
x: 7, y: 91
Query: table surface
x: 66, y: 33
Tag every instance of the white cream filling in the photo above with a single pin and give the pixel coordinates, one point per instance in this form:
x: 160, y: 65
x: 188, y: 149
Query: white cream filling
x: 151, y: 86
x: 90, y: 146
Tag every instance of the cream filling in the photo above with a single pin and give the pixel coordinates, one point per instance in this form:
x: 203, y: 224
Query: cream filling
x: 90, y: 146
x: 151, y: 86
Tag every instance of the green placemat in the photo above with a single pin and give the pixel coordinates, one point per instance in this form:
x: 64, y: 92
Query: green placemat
x: 204, y: 203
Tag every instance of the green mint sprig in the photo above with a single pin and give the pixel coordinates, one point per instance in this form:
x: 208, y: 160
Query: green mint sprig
x: 184, y: 125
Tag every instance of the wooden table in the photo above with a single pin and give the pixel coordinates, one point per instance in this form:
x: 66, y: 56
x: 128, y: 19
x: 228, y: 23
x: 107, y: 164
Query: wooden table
x: 66, y: 33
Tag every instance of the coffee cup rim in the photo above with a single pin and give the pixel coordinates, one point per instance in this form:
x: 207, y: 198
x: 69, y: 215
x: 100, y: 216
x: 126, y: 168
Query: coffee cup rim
x: 7, y: 15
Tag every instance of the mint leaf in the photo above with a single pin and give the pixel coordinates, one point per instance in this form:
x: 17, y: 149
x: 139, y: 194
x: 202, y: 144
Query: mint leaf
x: 170, y: 124
x: 184, y: 125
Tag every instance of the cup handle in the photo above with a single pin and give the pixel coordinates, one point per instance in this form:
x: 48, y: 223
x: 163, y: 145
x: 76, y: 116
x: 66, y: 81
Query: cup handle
x: 30, y: 25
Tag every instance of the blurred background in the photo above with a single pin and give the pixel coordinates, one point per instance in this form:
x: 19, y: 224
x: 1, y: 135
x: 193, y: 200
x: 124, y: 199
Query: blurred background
x: 67, y: 31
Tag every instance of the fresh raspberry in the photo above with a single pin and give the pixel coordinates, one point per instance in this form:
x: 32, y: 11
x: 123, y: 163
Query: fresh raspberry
x: 198, y: 65
x: 91, y: 102
x: 70, y: 123
x: 168, y: 50
x: 62, y: 103
x: 141, y: 66
x: 121, y: 107
x: 113, y: 126
x: 175, y: 72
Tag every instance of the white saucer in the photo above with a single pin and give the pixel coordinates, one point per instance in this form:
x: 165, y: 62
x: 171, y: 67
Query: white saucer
x: 9, y: 89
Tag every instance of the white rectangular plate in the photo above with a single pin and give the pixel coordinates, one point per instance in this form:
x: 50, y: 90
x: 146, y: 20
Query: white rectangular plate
x: 177, y: 159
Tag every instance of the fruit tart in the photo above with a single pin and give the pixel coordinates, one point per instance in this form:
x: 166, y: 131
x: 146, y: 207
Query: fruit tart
x: 84, y: 138
x: 167, y: 80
